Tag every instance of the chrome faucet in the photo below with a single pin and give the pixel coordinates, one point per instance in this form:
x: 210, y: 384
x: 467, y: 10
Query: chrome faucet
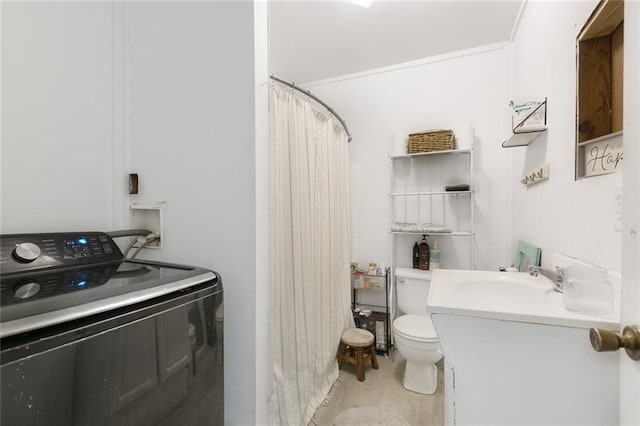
x: 556, y: 277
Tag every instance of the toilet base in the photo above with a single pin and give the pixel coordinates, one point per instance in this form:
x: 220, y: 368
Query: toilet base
x: 420, y: 378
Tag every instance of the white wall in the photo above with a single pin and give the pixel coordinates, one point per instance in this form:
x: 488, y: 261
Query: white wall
x: 57, y: 116
x: 439, y: 92
x: 94, y: 91
x: 263, y: 282
x: 561, y: 215
x: 190, y: 109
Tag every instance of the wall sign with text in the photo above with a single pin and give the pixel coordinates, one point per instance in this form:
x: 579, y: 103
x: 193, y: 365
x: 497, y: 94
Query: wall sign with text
x: 603, y: 157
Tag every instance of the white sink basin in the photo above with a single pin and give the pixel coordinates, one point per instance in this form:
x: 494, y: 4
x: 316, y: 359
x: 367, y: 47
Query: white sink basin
x: 510, y: 347
x: 511, y: 296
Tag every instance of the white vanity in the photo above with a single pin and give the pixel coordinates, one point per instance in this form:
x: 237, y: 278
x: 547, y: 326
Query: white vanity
x: 515, y: 356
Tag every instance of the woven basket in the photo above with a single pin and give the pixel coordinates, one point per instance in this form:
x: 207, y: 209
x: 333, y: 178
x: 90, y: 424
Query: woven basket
x: 431, y: 140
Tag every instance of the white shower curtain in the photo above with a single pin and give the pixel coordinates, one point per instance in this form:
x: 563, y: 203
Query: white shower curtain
x: 311, y: 254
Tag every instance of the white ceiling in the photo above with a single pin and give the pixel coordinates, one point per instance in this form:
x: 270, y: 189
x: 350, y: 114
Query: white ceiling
x: 314, y: 40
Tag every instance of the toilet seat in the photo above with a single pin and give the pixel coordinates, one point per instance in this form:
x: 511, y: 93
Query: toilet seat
x: 415, y: 327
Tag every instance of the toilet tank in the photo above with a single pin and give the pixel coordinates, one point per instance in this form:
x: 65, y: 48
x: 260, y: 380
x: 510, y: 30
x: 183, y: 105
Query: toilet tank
x: 412, y: 288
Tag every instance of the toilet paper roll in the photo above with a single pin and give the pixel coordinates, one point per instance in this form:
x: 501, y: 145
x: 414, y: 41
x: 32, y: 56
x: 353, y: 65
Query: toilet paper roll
x: 399, y: 143
x: 464, y: 136
x: 399, y: 137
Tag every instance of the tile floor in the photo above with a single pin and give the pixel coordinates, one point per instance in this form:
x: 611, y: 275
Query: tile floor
x: 383, y: 388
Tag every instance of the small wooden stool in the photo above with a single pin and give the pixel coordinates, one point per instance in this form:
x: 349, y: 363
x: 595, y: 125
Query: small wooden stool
x: 356, y: 347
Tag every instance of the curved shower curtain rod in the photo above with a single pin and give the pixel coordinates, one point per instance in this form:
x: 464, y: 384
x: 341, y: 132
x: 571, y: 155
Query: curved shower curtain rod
x: 315, y: 98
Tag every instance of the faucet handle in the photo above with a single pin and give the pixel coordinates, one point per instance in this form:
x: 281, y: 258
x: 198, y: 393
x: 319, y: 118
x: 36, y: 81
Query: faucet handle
x: 533, y: 270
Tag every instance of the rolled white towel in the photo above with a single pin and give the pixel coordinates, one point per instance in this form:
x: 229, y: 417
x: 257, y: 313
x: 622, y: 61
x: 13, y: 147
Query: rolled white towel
x: 399, y: 143
x: 464, y: 136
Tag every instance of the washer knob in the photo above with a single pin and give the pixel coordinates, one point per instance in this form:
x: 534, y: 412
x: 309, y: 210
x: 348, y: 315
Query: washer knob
x: 26, y: 290
x: 26, y: 252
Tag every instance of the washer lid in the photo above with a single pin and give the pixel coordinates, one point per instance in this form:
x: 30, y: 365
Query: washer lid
x: 58, y: 295
x: 416, y: 327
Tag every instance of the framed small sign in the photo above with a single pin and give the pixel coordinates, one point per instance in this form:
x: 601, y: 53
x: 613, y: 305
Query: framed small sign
x: 603, y: 157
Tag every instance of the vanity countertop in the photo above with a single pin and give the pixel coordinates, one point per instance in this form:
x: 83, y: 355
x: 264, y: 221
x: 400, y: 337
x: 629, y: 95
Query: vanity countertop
x: 509, y: 296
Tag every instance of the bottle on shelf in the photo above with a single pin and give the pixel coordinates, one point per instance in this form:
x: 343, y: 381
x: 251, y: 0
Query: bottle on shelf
x: 415, y: 255
x: 434, y: 256
x: 423, y: 254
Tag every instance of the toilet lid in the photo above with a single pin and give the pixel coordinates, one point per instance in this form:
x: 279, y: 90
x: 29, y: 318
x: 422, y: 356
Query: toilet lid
x: 415, y: 327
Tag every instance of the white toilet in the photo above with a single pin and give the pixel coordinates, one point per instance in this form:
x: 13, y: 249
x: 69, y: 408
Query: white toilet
x: 413, y: 332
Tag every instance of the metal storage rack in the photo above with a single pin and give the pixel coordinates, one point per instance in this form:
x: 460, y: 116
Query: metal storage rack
x: 378, y: 321
x: 418, y: 196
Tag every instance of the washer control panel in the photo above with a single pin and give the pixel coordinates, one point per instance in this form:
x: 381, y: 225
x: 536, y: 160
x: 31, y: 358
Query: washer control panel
x: 30, y: 252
